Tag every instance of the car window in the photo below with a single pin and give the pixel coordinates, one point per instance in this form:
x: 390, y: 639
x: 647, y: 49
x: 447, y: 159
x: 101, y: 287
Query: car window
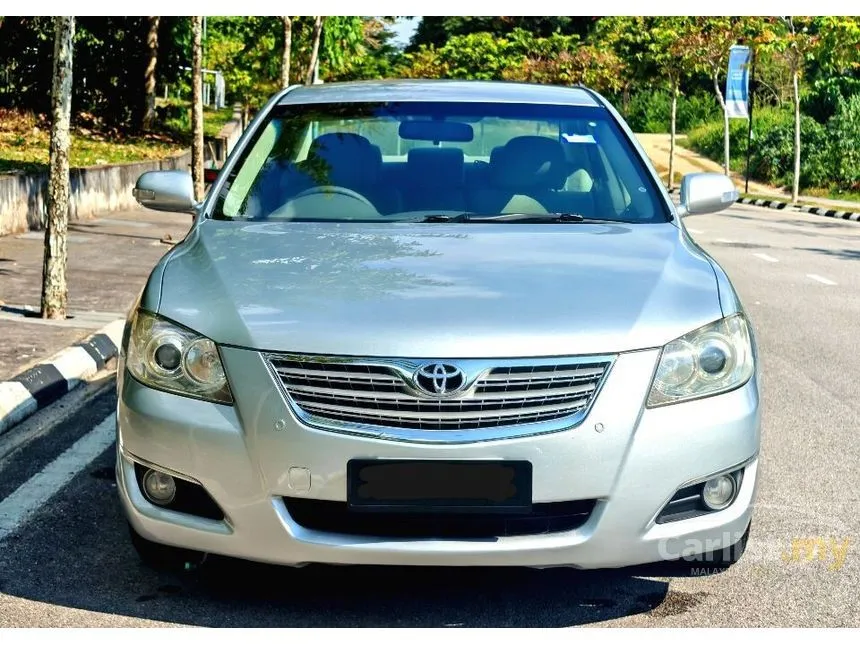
x: 403, y: 161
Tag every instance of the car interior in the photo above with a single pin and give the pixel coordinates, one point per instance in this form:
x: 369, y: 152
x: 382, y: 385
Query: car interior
x: 344, y: 175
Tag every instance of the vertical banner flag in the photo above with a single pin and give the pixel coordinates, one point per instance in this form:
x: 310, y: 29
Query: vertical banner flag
x: 737, y: 83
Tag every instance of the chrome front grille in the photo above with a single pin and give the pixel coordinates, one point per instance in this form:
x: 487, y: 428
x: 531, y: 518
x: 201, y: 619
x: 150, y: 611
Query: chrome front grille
x: 352, y: 393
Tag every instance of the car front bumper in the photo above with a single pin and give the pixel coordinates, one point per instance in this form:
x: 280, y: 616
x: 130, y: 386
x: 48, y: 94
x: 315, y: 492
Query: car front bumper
x: 630, y: 459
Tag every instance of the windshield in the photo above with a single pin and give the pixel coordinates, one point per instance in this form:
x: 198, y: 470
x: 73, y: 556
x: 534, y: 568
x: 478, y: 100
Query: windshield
x: 416, y: 161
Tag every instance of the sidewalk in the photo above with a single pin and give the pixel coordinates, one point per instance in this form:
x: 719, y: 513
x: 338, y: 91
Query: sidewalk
x: 687, y: 161
x: 109, y: 261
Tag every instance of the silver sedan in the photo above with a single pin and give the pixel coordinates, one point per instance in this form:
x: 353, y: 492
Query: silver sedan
x: 438, y: 323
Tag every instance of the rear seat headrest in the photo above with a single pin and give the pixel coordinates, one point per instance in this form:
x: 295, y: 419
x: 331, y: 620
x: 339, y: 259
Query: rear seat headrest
x: 529, y: 162
x: 351, y: 158
x: 436, y: 166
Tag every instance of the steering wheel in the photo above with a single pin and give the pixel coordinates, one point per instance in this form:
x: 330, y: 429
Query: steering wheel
x: 338, y: 190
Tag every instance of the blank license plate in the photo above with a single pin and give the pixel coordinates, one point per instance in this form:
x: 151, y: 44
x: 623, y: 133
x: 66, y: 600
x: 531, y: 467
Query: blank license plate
x: 440, y: 486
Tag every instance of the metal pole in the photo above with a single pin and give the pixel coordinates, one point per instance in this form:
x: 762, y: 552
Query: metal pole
x: 749, y: 132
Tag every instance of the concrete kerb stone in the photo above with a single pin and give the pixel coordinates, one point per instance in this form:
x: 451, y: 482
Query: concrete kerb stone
x: 40, y: 386
x: 781, y: 205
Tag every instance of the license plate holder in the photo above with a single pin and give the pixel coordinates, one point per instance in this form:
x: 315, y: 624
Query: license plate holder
x: 439, y: 486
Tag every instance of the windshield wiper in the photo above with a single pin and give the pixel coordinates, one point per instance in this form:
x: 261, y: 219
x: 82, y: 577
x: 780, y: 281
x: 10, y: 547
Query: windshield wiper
x: 526, y: 218
x: 502, y: 218
x: 444, y: 219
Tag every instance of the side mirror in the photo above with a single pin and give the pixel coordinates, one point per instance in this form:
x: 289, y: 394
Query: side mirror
x: 706, y: 192
x: 166, y: 190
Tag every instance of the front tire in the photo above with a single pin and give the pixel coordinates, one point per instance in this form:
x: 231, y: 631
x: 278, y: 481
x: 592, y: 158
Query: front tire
x: 162, y: 557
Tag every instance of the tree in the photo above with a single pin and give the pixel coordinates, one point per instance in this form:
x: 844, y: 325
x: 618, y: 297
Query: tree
x: 708, y: 44
x: 54, y: 288
x: 666, y: 51
x: 832, y: 41
x: 315, y: 49
x: 149, y: 75
x: 344, y: 42
x: 288, y: 45
x: 197, y: 106
x: 436, y: 31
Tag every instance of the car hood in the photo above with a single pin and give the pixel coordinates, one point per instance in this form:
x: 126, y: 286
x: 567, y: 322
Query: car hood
x: 439, y: 290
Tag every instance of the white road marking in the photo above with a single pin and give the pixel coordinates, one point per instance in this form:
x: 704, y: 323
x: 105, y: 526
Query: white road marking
x: 765, y: 257
x: 20, y: 505
x: 818, y: 278
x: 694, y: 230
x: 724, y: 240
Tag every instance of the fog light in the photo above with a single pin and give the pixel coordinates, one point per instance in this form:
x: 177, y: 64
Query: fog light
x: 159, y: 488
x: 719, y: 492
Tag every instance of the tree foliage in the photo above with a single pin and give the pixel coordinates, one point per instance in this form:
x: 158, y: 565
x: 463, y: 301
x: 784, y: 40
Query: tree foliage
x: 435, y: 31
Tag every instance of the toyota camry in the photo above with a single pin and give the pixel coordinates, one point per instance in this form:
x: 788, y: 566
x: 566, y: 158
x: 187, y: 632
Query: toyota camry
x: 448, y: 323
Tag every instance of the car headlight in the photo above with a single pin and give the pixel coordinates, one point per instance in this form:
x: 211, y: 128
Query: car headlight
x: 165, y: 356
x: 713, y: 359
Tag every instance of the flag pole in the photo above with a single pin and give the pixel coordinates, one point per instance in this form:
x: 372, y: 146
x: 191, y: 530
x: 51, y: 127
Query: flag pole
x: 749, y: 131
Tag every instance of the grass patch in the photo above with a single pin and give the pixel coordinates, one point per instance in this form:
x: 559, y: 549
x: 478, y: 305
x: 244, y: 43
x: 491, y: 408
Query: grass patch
x: 842, y: 195
x: 25, y: 144
x: 177, y: 119
x: 25, y: 140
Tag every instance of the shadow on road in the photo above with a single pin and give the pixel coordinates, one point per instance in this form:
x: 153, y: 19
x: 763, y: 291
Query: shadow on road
x: 841, y: 254
x: 75, y: 553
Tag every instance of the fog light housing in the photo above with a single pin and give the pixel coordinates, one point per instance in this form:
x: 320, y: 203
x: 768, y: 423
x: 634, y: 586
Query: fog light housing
x: 159, y: 488
x: 719, y: 492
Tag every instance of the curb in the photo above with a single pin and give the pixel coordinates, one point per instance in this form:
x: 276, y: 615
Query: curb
x: 36, y: 388
x: 780, y: 205
x: 812, y: 210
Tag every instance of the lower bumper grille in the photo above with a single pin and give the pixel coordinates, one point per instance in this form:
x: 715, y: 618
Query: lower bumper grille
x: 335, y: 517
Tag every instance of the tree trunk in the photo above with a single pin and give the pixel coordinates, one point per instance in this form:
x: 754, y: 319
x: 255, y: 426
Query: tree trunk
x: 315, y: 50
x: 149, y: 76
x: 288, y: 46
x: 722, y: 103
x: 55, y: 293
x: 197, y: 107
x: 672, y: 136
x: 795, y: 184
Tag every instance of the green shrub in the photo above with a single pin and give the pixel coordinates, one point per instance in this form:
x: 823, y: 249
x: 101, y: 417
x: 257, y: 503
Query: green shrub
x: 772, y: 158
x: 707, y: 139
x: 650, y: 111
x: 773, y: 153
x: 843, y: 133
x: 696, y: 109
x: 823, y: 99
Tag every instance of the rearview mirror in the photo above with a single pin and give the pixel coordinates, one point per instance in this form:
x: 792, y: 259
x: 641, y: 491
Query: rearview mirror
x: 706, y: 192
x: 166, y: 190
x: 436, y: 131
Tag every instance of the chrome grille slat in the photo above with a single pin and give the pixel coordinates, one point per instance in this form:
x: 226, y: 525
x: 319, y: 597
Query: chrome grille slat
x: 440, y: 415
x: 549, y: 375
x: 339, y: 376
x: 380, y: 393
x: 510, y: 396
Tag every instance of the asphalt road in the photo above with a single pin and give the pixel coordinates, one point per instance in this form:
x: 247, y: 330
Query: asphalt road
x: 70, y: 563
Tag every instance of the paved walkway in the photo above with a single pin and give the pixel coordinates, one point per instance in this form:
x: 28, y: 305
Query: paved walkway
x: 109, y: 261
x: 686, y: 161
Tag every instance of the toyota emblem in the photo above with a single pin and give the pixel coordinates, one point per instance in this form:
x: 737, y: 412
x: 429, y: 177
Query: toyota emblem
x: 440, y: 379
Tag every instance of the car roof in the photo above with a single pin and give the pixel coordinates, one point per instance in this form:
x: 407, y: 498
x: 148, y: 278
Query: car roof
x: 439, y: 91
